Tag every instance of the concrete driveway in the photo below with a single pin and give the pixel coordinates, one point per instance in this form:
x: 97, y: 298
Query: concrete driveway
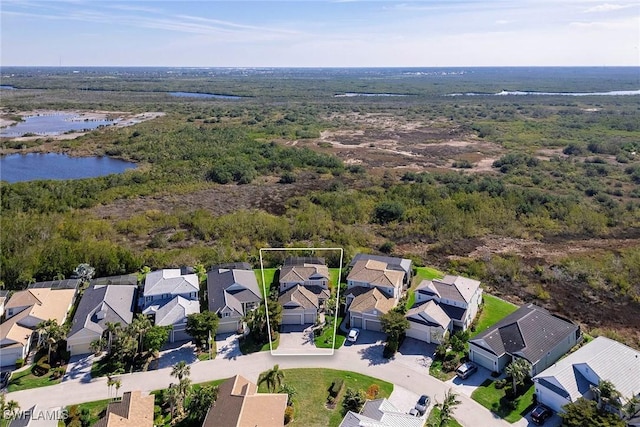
x: 228, y: 346
x: 175, y: 352
x: 79, y: 368
x: 405, y: 400
x: 298, y: 340
x: 468, y: 386
x: 415, y: 353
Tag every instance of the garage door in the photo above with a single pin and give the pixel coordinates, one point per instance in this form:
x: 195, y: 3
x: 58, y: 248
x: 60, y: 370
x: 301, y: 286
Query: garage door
x: 372, y: 325
x: 8, y: 356
x: 418, y: 334
x: 292, y: 319
x: 356, y: 322
x: 80, y: 348
x: 482, y: 360
x: 225, y: 328
x: 309, y: 318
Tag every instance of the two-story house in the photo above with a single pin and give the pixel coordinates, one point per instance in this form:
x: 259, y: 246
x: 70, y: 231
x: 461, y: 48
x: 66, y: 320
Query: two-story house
x: 170, y: 297
x: 304, y: 288
x: 374, y: 286
x: 232, y: 293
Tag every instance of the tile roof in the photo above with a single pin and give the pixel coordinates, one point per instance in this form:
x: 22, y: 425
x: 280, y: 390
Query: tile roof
x: 429, y: 313
x: 44, y: 303
x: 393, y: 263
x: 302, y: 273
x: 301, y: 296
x: 608, y: 359
x: 245, y: 289
x: 175, y: 311
x: 170, y: 281
x: 101, y: 304
x: 371, y: 299
x: 11, y: 330
x: 239, y: 405
x: 529, y: 332
x: 376, y: 273
x: 134, y: 410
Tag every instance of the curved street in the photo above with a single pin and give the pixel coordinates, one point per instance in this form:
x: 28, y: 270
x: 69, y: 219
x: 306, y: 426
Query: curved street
x: 366, y: 358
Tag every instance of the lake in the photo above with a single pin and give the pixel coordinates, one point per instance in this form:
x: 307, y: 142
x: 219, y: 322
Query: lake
x: 352, y: 94
x: 520, y: 93
x: 203, y: 95
x: 35, y: 166
x: 52, y: 124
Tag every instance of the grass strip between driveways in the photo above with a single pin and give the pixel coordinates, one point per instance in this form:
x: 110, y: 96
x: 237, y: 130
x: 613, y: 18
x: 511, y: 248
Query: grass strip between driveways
x: 325, y: 340
x: 25, y: 380
x: 312, y: 389
x: 496, y: 401
x: 434, y: 419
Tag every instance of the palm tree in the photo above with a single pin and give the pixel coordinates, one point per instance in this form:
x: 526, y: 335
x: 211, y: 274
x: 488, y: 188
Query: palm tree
x: 181, y: 370
x: 518, y: 370
x: 446, y: 408
x: 273, y: 378
x: 52, y: 332
x: 140, y: 325
x: 171, y: 397
x: 117, y: 383
x: 110, y: 383
x: 111, y: 329
x: 97, y: 345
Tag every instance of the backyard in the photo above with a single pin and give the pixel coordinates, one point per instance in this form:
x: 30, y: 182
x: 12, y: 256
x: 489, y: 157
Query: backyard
x: 494, y: 310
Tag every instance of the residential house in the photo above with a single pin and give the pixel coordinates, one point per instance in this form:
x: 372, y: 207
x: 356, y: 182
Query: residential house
x: 602, y: 359
x: 133, y: 410
x: 170, y: 297
x: 380, y: 413
x: 240, y: 405
x: 531, y: 333
x: 428, y: 322
x: 459, y: 297
x: 24, y: 312
x: 99, y: 305
x: 366, y: 306
x: 4, y: 296
x: 309, y: 272
x: 299, y: 306
x: 374, y: 286
x: 232, y: 293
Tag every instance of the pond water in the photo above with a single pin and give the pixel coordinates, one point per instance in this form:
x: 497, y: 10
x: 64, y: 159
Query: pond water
x: 351, y: 94
x: 6, y: 87
x: 34, y: 166
x: 203, y: 95
x: 52, y: 124
x: 518, y: 92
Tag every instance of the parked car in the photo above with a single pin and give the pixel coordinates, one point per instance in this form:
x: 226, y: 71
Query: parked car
x: 465, y: 370
x: 414, y: 412
x: 423, y: 404
x: 540, y: 414
x: 353, y: 335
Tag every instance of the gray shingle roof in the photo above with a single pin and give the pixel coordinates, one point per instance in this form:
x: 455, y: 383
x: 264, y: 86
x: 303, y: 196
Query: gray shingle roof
x: 170, y: 281
x: 243, y: 284
x: 114, y: 303
x: 127, y: 279
x: 455, y: 288
x: 430, y: 314
x: 394, y: 263
x: 608, y: 359
x: 175, y: 311
x: 529, y: 332
x: 301, y: 296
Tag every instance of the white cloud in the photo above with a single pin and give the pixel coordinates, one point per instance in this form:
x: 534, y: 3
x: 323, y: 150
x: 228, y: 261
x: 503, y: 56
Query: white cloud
x: 607, y: 7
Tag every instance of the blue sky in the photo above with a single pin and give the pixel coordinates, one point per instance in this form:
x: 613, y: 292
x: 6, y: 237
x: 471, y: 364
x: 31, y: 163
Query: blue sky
x: 339, y: 33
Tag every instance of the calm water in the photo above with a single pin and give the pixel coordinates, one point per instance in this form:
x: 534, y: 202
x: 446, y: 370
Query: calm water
x: 52, y: 124
x: 7, y: 87
x: 34, y: 166
x: 517, y: 92
x: 351, y: 94
x: 203, y: 95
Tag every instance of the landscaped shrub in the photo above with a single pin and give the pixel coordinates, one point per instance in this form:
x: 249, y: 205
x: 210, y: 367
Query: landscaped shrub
x: 19, y: 363
x: 288, y: 414
x: 336, y: 386
x: 40, y: 369
x: 372, y: 391
x: 501, y: 383
x: 390, y: 349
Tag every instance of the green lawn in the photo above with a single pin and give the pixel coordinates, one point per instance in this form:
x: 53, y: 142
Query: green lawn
x: 334, y: 277
x: 411, y: 299
x: 312, y: 387
x: 434, y: 419
x: 325, y: 340
x: 494, y: 310
x: 496, y: 401
x: 435, y: 370
x: 25, y: 380
x: 269, y: 275
x: 428, y: 273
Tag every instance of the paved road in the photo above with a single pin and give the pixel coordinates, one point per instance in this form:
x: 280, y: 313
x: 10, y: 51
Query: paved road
x: 363, y: 358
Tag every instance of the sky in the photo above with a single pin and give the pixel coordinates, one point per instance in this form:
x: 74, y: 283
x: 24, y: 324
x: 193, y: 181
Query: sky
x: 340, y: 33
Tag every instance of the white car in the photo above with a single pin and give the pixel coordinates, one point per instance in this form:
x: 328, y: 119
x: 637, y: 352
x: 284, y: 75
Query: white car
x: 353, y: 335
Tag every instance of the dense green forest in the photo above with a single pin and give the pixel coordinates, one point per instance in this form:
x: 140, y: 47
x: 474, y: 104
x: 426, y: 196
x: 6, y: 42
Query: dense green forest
x: 553, y: 216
